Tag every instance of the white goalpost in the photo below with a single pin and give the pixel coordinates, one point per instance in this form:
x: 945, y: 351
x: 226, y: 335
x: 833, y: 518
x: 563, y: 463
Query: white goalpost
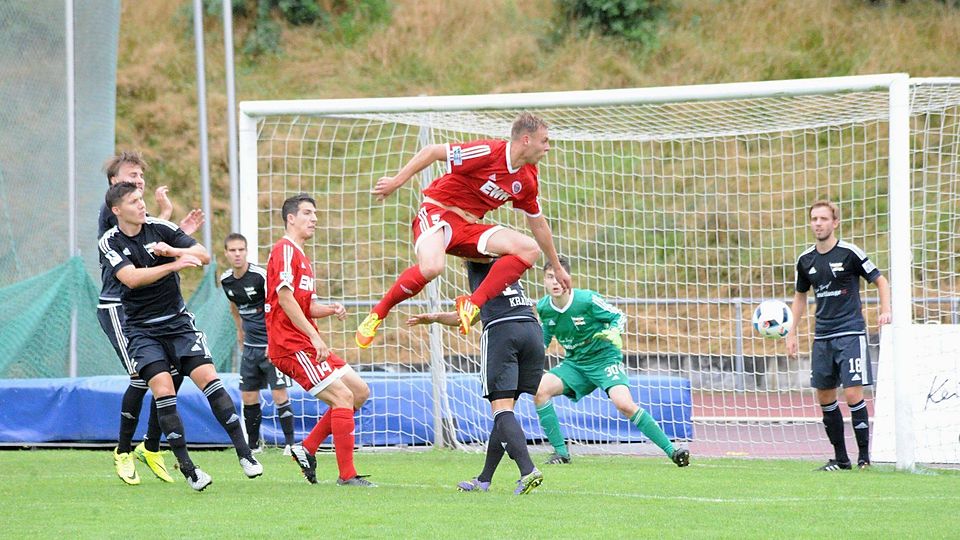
x: 683, y: 206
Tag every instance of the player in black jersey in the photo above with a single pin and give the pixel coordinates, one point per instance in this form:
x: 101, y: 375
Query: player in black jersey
x: 146, y: 255
x: 511, y: 364
x: 245, y: 286
x: 833, y: 268
x: 130, y: 167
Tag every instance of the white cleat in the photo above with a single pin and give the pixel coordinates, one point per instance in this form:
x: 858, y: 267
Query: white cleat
x: 199, y: 481
x: 287, y: 451
x: 251, y: 467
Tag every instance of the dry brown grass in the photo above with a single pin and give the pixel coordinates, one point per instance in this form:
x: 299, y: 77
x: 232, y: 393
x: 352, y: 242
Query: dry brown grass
x: 464, y: 46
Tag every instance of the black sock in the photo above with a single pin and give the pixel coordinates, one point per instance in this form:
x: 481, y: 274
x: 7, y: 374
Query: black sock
x: 172, y: 427
x: 860, y: 419
x: 130, y: 413
x: 251, y: 417
x: 226, y: 413
x: 833, y: 423
x: 495, y: 451
x: 285, y: 412
x: 151, y: 440
x: 512, y: 434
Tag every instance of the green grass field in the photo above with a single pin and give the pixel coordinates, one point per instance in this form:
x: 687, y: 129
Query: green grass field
x: 75, y: 494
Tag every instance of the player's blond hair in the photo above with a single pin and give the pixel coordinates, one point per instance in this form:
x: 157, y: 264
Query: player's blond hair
x: 111, y: 167
x: 828, y: 204
x: 526, y: 123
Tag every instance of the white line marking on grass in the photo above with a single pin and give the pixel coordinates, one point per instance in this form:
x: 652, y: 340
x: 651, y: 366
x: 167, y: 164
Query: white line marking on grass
x: 688, y: 498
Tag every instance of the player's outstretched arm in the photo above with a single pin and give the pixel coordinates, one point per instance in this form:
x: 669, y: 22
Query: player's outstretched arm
x: 883, y: 288
x: 448, y: 318
x: 799, y: 308
x: 138, y: 277
x: 427, y: 155
x: 540, y: 229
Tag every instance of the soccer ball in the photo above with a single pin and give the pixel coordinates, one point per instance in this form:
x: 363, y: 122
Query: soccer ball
x: 773, y: 319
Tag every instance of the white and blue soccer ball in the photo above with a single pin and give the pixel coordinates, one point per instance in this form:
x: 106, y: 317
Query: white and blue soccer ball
x: 772, y: 319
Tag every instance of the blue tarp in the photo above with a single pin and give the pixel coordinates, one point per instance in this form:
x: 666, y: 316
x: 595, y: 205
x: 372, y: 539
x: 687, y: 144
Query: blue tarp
x: 399, y: 411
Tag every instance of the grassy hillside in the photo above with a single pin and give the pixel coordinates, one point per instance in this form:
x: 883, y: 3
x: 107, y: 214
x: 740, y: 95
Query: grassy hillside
x: 431, y: 48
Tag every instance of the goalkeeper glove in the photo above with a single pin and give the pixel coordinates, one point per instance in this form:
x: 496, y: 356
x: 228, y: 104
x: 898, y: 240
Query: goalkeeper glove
x: 612, y: 335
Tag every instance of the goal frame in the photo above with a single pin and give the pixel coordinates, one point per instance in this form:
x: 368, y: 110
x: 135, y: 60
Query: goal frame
x: 897, y: 86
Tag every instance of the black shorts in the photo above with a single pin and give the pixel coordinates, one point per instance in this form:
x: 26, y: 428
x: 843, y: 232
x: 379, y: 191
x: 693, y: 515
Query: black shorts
x: 112, y: 319
x: 171, y: 341
x: 511, y: 357
x: 840, y: 360
x: 256, y: 371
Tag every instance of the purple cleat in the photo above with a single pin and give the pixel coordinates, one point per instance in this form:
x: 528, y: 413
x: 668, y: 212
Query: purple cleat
x: 473, y: 484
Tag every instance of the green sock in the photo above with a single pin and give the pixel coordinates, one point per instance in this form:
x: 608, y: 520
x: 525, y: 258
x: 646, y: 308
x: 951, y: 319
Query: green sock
x: 648, y: 426
x: 551, y: 426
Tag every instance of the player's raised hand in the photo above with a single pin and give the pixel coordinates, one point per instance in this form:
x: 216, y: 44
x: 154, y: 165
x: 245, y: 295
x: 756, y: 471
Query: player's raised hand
x: 384, y: 187
x: 192, y: 222
x: 323, y: 352
x: 166, y: 207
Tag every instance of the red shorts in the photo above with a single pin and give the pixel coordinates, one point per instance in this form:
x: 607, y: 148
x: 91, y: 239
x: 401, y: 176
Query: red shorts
x: 313, y: 375
x: 461, y: 238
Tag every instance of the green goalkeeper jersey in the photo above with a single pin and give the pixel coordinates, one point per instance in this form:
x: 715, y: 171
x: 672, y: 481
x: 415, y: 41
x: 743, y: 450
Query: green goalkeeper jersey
x: 577, y: 324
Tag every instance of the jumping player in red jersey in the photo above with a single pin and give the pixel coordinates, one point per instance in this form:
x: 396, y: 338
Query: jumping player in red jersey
x: 295, y: 347
x: 481, y: 176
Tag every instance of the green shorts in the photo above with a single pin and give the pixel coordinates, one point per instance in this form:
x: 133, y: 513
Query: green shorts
x: 579, y: 380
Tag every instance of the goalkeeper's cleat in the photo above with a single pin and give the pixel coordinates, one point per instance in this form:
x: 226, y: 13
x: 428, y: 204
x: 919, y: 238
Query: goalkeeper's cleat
x: 467, y: 312
x: 154, y: 460
x: 126, y: 467
x: 681, y: 457
x: 251, y: 467
x: 528, y: 483
x: 198, y: 480
x: 557, y: 459
x: 359, y: 480
x: 863, y: 464
x: 367, y: 330
x: 834, y: 465
x: 474, y: 484
x: 306, y: 461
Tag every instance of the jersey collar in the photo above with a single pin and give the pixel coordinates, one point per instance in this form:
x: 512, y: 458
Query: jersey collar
x: 510, y: 165
x: 564, y: 308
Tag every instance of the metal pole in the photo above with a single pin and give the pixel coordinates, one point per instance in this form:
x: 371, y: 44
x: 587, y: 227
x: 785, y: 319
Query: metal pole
x: 231, y: 116
x: 202, y: 122
x: 71, y: 172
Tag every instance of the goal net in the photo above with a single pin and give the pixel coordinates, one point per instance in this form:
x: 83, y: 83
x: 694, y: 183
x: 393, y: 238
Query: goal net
x: 685, y: 207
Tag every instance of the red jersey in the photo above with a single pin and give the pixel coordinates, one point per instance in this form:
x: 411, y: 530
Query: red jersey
x: 288, y: 267
x: 481, y: 178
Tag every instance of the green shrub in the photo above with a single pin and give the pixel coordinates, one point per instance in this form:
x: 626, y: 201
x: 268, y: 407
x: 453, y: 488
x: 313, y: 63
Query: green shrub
x: 634, y: 20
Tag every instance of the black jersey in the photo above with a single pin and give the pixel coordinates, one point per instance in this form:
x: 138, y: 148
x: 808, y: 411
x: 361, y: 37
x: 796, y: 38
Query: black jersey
x: 162, y: 299
x: 111, y: 288
x: 835, y: 279
x: 247, y: 293
x: 510, y: 305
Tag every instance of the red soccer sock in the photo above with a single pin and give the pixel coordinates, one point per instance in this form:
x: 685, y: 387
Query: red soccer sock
x: 410, y: 282
x: 505, y: 271
x: 343, y: 426
x: 318, y: 434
